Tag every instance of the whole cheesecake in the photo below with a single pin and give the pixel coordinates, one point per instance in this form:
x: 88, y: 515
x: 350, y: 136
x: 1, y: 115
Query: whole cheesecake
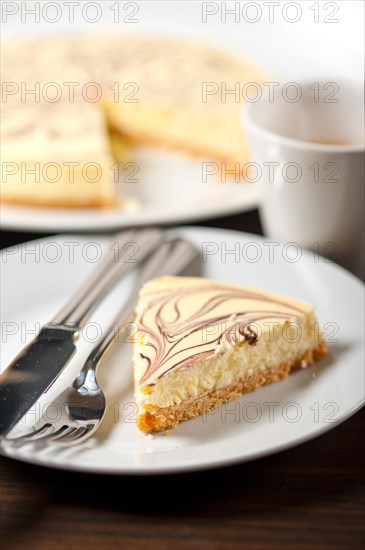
x: 73, y: 107
x: 202, y: 343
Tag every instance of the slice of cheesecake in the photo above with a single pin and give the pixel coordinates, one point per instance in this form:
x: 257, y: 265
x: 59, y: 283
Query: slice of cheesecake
x: 202, y: 343
x: 62, y: 162
x: 184, y: 94
x: 55, y: 143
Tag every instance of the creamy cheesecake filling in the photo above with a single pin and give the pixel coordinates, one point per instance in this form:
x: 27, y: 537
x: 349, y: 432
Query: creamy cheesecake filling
x: 196, y: 336
x: 61, y: 93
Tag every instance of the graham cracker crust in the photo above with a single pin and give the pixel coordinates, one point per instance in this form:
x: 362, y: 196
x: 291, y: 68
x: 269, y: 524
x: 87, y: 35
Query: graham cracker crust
x: 58, y: 203
x: 169, y: 417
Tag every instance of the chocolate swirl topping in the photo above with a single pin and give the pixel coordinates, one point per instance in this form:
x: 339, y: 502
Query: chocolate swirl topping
x: 190, y: 322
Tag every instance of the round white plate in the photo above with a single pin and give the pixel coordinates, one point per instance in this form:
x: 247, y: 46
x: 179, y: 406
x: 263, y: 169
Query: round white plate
x: 291, y: 43
x: 38, y: 277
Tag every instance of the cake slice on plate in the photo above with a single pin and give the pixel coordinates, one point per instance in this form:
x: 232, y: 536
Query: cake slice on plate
x: 202, y: 343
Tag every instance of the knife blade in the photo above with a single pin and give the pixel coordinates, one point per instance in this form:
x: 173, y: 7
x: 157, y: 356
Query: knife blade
x: 33, y: 371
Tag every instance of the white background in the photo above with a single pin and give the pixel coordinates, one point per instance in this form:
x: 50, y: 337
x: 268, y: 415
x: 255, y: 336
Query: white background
x: 298, y: 49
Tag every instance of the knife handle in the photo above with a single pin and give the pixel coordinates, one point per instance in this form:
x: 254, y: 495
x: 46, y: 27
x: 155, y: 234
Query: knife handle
x: 114, y: 264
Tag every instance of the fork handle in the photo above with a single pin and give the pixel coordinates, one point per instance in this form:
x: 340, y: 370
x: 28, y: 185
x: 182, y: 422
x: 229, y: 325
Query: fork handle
x: 171, y: 258
x: 114, y: 264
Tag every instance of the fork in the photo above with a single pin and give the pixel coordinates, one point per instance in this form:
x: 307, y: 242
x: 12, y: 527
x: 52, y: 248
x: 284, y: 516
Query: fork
x: 35, y: 369
x: 81, y: 407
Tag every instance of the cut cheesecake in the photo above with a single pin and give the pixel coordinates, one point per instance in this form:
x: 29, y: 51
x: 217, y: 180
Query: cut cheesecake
x: 69, y: 104
x: 55, y: 149
x: 201, y: 343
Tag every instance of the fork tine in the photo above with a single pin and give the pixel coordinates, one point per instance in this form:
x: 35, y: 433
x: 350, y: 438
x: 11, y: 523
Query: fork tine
x: 88, y: 429
x: 65, y: 434
x: 78, y: 434
x: 61, y: 432
x: 69, y: 435
x: 36, y: 434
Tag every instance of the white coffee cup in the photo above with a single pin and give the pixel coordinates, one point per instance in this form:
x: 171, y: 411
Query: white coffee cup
x: 307, y: 143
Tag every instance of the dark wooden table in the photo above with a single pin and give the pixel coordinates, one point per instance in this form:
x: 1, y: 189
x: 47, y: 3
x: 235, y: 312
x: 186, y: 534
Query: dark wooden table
x: 309, y: 497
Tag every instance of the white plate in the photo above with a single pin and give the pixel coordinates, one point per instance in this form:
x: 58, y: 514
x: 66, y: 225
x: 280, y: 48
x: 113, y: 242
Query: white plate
x: 187, y: 206
x: 310, y: 48
x: 306, y: 404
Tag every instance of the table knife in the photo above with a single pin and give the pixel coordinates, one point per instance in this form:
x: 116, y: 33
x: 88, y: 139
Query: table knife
x: 37, y: 367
